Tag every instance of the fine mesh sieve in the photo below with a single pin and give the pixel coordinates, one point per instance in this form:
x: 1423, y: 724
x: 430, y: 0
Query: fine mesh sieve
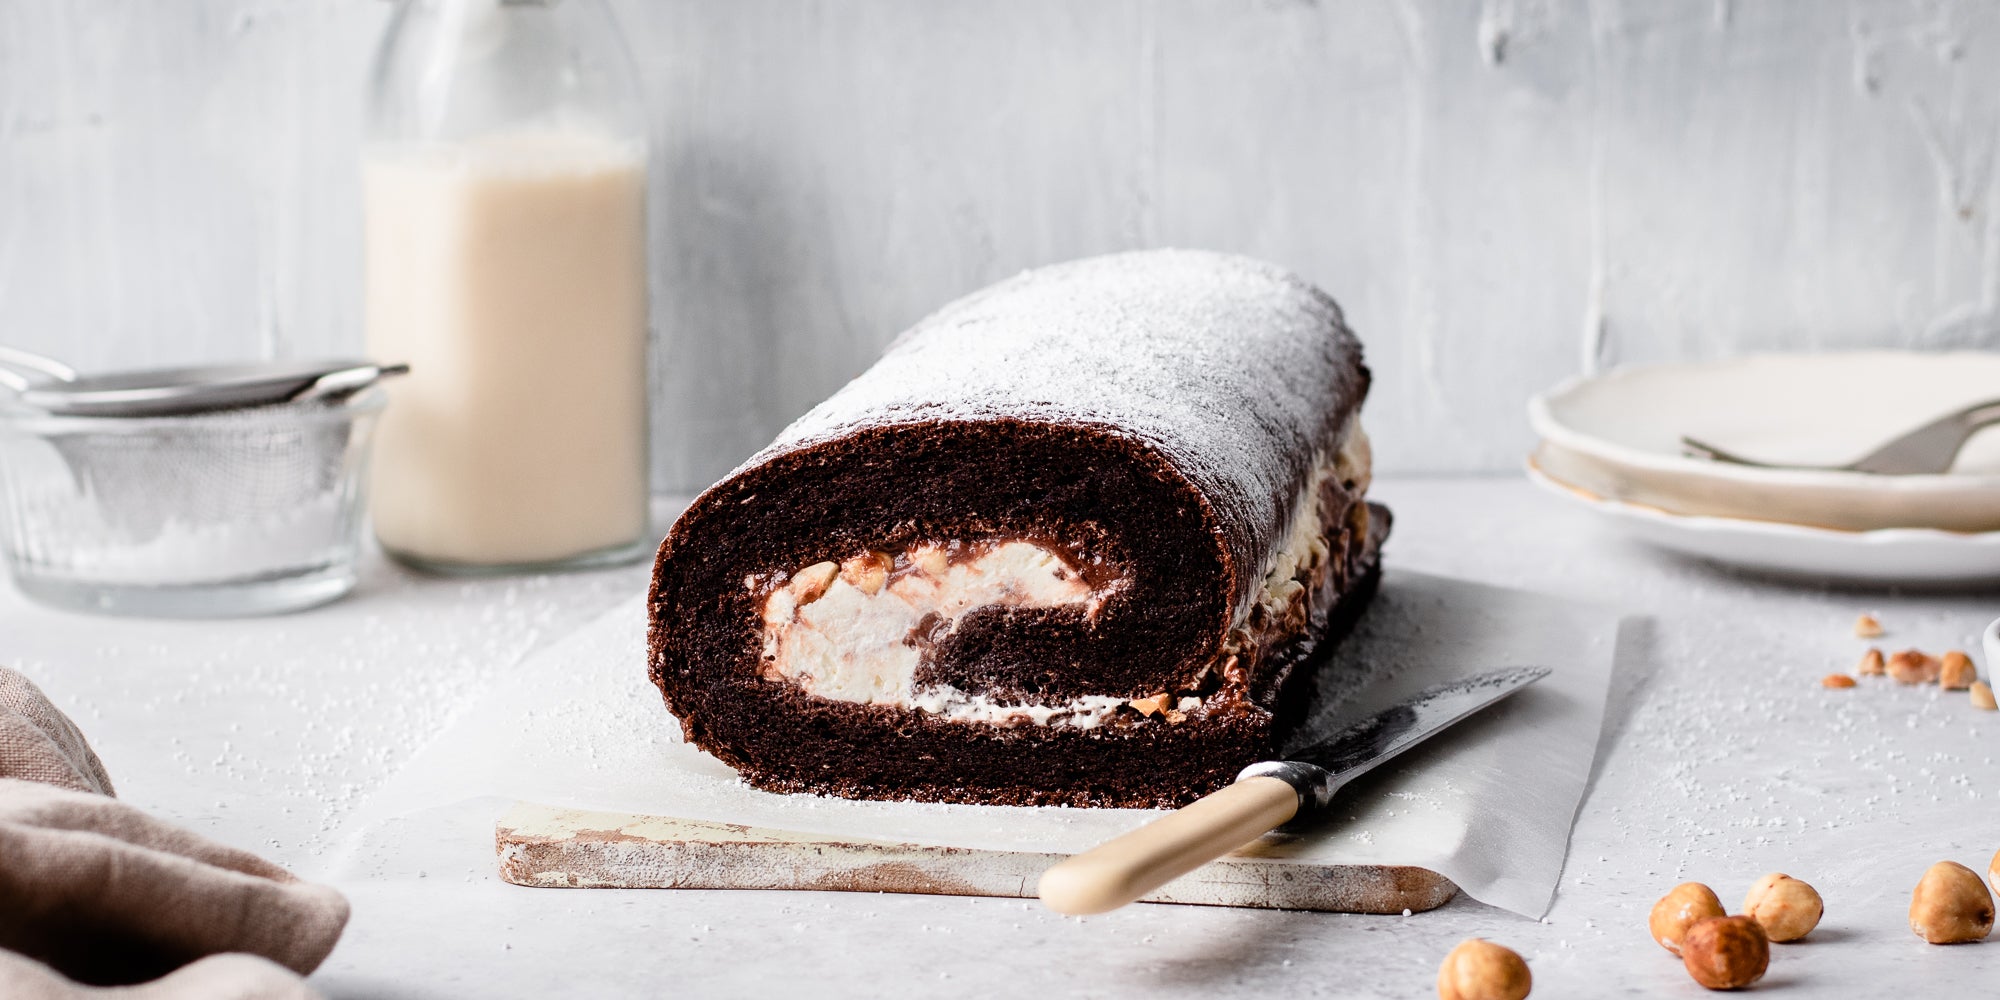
x: 226, y: 512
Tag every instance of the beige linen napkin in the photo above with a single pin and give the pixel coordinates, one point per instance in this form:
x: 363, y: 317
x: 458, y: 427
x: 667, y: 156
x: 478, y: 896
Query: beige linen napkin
x: 106, y: 894
x: 39, y: 743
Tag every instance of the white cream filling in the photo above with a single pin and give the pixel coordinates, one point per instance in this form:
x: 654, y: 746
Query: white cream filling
x: 845, y: 632
x: 1304, y: 547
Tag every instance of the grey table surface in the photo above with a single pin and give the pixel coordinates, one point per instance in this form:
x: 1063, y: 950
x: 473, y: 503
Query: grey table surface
x: 1722, y: 759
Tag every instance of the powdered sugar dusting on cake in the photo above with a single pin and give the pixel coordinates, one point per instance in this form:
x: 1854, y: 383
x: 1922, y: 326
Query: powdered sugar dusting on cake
x: 1236, y: 371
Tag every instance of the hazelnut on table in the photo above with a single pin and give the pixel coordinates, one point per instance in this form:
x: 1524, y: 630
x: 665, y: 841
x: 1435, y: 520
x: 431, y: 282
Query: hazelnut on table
x: 1956, y: 672
x: 1836, y: 681
x: 1866, y: 627
x: 1871, y: 663
x: 1914, y: 666
x: 1786, y: 908
x: 1682, y: 907
x: 1478, y: 969
x: 1951, y: 905
x: 1726, y: 953
x: 1982, y: 696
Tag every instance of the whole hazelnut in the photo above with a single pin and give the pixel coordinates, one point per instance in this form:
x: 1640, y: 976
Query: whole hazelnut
x: 1956, y: 672
x: 1951, y: 905
x: 1478, y: 969
x: 1785, y: 907
x: 1726, y: 953
x: 1872, y: 664
x: 1914, y: 666
x: 1680, y: 908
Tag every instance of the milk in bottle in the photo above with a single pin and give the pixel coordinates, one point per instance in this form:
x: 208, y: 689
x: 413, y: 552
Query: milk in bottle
x: 504, y: 195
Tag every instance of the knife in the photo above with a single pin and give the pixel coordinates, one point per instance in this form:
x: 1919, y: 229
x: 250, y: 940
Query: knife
x: 1264, y: 797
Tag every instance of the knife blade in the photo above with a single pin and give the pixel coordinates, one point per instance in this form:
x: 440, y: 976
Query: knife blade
x: 1264, y: 797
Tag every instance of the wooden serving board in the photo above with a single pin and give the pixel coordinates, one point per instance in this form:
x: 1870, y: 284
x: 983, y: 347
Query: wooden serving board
x: 574, y: 849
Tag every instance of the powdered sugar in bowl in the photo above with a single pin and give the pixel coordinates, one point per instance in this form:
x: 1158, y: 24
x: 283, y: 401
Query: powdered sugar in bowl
x: 240, y: 511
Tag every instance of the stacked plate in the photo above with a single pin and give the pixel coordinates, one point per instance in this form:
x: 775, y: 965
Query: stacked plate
x: 1612, y: 443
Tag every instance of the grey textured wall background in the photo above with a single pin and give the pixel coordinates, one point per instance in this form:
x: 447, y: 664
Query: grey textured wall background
x: 1501, y: 193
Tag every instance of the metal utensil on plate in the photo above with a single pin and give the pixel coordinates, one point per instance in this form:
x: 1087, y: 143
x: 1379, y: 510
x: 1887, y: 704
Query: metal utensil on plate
x: 53, y: 387
x: 1264, y: 797
x: 1928, y: 450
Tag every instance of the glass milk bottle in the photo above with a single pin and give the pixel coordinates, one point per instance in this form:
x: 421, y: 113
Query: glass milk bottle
x: 504, y: 181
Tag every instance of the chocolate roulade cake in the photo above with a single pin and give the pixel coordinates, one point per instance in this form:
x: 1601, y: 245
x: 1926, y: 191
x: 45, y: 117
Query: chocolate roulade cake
x: 1070, y: 541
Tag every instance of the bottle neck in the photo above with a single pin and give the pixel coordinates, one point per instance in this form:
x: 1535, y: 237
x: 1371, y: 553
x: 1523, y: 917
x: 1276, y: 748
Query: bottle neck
x: 454, y: 70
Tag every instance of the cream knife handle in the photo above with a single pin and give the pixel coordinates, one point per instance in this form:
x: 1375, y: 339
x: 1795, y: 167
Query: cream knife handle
x: 1117, y: 872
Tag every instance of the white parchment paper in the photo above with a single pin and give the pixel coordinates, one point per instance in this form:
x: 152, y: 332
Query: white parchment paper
x: 1487, y: 804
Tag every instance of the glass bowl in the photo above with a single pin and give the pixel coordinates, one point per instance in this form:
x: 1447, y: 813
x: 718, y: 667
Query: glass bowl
x: 221, y: 514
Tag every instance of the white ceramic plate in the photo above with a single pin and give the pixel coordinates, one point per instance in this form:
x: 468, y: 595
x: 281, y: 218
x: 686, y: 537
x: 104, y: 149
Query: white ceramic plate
x: 1919, y: 556
x: 1618, y: 435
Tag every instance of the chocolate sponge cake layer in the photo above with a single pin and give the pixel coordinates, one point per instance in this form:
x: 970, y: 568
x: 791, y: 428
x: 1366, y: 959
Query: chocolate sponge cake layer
x: 1070, y: 541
